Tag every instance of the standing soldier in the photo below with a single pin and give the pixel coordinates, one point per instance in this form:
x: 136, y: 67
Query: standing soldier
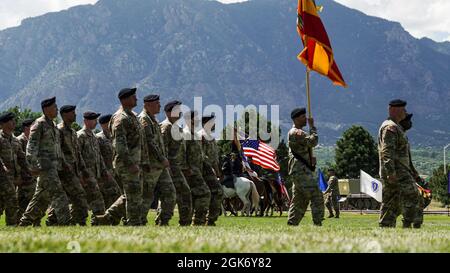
x: 211, y: 170
x: 158, y: 175
x: 26, y: 189
x: 399, y: 190
x: 201, y: 195
x: 70, y: 178
x: 127, y: 141
x: 301, y: 169
x: 46, y: 159
x: 12, y: 159
x: 111, y: 189
x: 332, y: 193
x: 95, y: 167
x: 174, y: 148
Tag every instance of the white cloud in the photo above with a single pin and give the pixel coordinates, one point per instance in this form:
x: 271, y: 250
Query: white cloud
x: 420, y: 18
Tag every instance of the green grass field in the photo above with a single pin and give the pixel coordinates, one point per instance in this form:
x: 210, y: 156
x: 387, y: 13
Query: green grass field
x: 351, y: 233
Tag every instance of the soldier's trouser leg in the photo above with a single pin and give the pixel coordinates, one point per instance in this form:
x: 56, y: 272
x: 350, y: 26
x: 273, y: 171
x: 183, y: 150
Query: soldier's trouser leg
x: 409, y: 200
x: 300, y: 200
x: 328, y: 204
x: 132, y: 187
x: 77, y: 197
x: 317, y: 206
x: 201, y: 198
x: 9, y: 202
x: 184, y: 197
x: 215, y: 205
x: 24, y: 194
x: 418, y: 220
x: 335, y: 199
x: 167, y: 195
x: 110, y: 190
x: 150, y: 179
x: 390, y: 207
x: 94, y: 196
x: 48, y: 190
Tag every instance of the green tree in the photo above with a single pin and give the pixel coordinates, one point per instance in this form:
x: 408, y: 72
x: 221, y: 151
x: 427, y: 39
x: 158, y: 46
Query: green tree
x: 356, y: 150
x: 21, y: 115
x: 439, y: 185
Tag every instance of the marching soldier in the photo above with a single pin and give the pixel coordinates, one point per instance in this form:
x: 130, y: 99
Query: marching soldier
x: 399, y: 190
x: 70, y: 178
x: 211, y: 170
x: 158, y: 176
x: 127, y: 140
x: 27, y: 187
x: 46, y: 159
x: 95, y: 167
x: 201, y: 195
x: 332, y: 193
x: 12, y: 159
x: 301, y: 169
x: 109, y: 185
x: 175, y: 149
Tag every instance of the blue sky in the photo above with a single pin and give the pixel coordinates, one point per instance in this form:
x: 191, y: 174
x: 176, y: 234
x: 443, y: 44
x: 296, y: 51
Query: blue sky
x: 421, y: 18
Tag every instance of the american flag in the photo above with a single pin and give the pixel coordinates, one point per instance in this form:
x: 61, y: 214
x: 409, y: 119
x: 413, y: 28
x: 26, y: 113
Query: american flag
x: 283, y: 187
x: 261, y: 154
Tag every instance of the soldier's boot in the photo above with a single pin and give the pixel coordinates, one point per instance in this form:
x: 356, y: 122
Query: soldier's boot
x: 331, y: 215
x: 211, y: 223
x: 318, y: 224
x: 417, y: 225
x: 337, y: 215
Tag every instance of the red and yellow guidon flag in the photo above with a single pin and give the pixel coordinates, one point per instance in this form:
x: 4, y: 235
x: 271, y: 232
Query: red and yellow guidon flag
x: 318, y: 54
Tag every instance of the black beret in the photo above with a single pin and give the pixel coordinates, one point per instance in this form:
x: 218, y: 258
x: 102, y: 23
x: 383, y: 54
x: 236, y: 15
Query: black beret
x: 126, y: 92
x: 297, y: 112
x: 67, y: 108
x: 205, y: 119
x: 27, y: 122
x: 397, y: 103
x: 91, y: 115
x: 48, y: 102
x: 151, y: 98
x: 5, y: 117
x: 105, y: 119
x: 170, y: 105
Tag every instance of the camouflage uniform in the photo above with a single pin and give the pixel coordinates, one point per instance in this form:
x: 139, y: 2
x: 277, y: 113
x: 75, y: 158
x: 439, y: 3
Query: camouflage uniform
x: 400, y: 196
x: 332, y: 192
x: 26, y: 188
x: 193, y: 170
x: 13, y: 158
x: 210, y: 174
x: 108, y: 186
x: 95, y: 168
x: 305, y: 188
x: 175, y: 150
x: 157, y: 176
x: 127, y: 141
x: 44, y: 153
x: 70, y: 178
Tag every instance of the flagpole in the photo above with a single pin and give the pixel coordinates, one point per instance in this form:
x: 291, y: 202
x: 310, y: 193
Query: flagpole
x: 308, y: 92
